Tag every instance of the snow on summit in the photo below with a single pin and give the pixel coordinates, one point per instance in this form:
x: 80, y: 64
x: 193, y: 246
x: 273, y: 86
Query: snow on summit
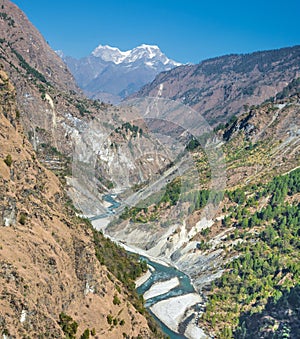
x: 108, y: 53
x: 148, y: 54
x: 110, y: 74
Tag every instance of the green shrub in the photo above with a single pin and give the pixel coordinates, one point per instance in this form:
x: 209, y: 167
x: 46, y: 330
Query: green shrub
x: 17, y: 114
x: 85, y: 334
x: 116, y: 300
x: 22, y: 219
x: 68, y: 325
x: 109, y: 319
x: 8, y: 160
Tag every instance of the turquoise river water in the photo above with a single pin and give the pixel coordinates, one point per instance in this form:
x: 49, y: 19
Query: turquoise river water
x: 163, y: 273
x: 160, y: 273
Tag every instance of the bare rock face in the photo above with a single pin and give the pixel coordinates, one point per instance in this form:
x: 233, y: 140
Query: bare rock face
x: 221, y: 87
x: 48, y: 266
x: 9, y: 213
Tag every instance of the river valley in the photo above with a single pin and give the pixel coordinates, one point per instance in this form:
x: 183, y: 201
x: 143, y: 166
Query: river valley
x: 168, y: 292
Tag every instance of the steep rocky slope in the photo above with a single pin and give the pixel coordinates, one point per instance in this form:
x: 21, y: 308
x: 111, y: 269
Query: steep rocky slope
x: 221, y: 87
x: 45, y: 88
x: 55, y: 115
x: 25, y: 39
x: 48, y: 266
x: 48, y: 99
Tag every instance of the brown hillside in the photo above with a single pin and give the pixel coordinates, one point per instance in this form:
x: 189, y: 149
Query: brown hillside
x: 47, y: 259
x: 221, y: 87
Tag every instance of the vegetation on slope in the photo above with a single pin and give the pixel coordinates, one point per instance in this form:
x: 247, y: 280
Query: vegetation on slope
x: 261, y: 222
x: 267, y: 265
x: 125, y: 268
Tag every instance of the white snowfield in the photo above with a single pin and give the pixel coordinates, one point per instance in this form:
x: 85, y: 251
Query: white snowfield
x: 161, y: 287
x: 148, y: 52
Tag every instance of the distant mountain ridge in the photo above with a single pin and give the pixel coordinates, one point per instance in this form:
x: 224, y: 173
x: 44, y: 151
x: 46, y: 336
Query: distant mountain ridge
x: 220, y: 87
x: 110, y: 74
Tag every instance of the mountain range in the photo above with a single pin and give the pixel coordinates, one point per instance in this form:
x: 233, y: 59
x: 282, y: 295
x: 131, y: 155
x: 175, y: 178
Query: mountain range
x: 234, y: 230
x: 110, y: 75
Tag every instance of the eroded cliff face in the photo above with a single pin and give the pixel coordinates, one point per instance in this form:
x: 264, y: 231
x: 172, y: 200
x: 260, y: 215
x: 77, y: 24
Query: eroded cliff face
x: 47, y: 256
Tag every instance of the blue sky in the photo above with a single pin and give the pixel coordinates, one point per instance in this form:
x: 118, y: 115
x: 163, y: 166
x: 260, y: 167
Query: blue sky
x: 186, y: 30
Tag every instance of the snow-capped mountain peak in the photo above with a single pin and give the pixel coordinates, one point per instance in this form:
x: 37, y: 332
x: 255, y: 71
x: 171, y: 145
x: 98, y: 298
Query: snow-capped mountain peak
x: 152, y: 50
x: 150, y: 55
x: 110, y: 74
x: 108, y: 53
